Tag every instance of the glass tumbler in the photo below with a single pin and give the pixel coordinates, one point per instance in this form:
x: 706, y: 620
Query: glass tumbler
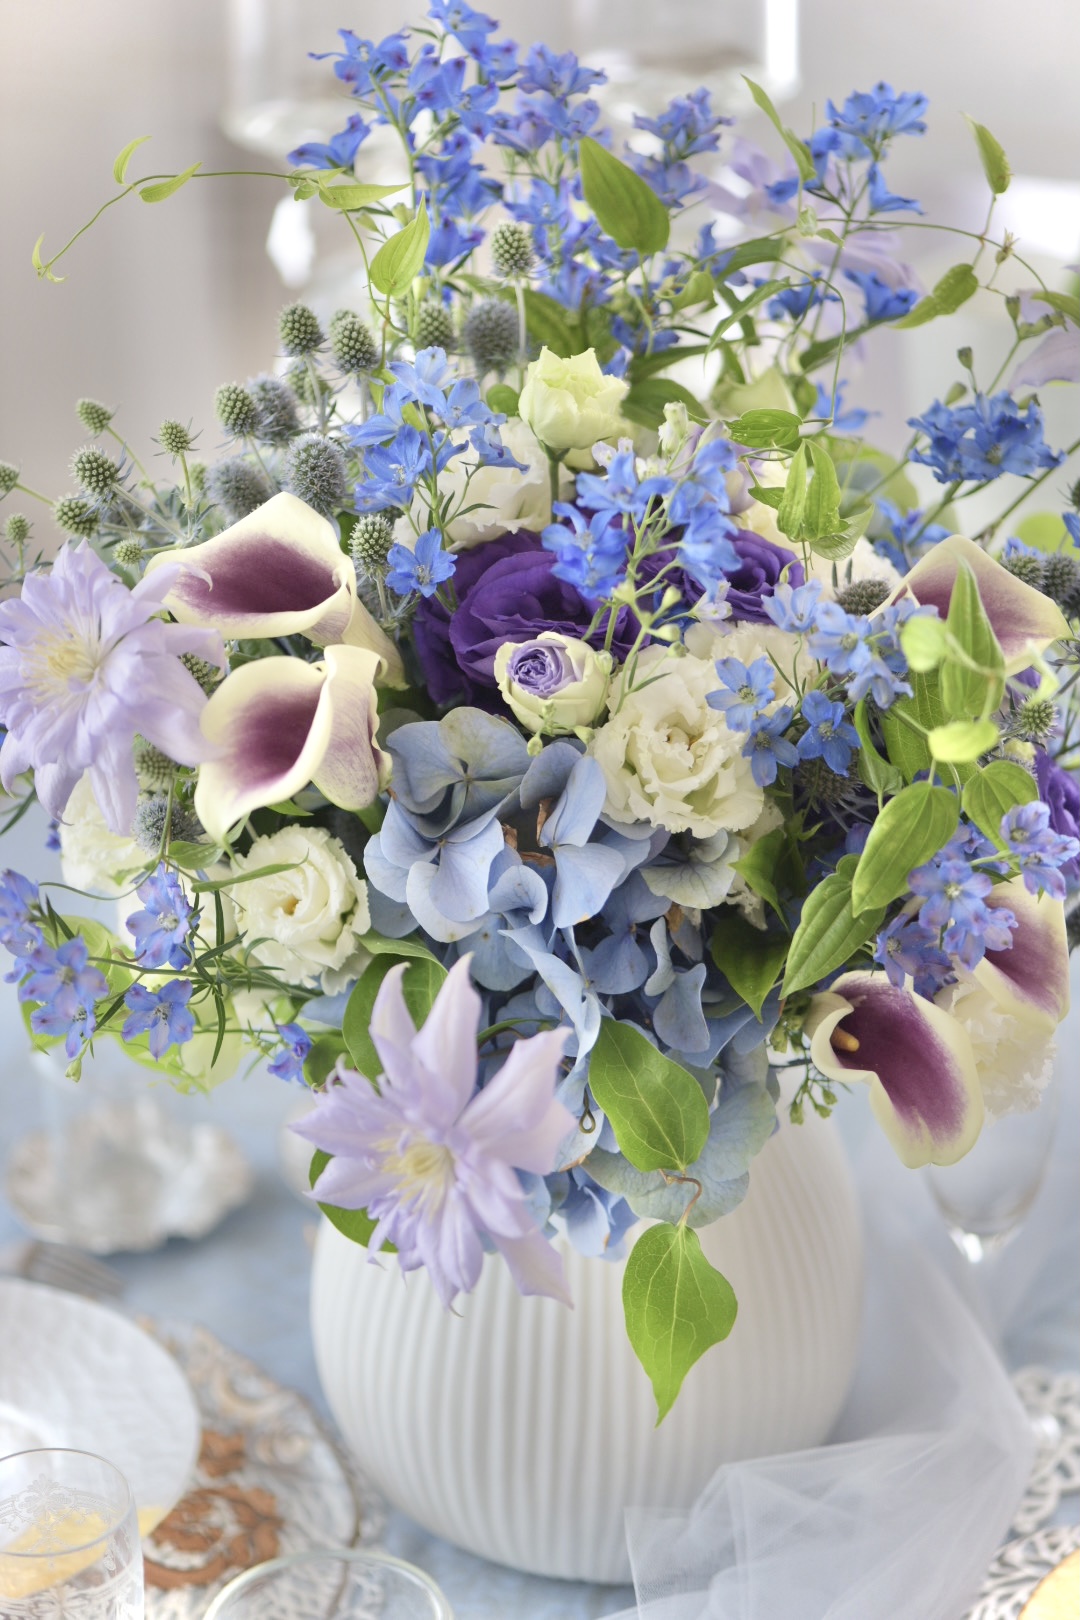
x: 69, y: 1539
x: 331, y: 1584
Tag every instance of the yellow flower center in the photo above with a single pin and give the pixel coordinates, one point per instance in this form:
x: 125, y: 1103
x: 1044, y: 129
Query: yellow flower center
x: 424, y: 1170
x: 58, y: 663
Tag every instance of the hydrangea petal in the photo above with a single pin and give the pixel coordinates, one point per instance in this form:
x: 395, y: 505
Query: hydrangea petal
x: 1024, y: 620
x: 1030, y: 981
x: 915, y: 1057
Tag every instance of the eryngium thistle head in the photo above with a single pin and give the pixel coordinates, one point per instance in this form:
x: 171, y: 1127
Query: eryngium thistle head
x: 512, y: 251
x: 299, y: 329
x: 301, y: 382
x: 237, y: 487
x: 491, y: 334
x: 197, y: 474
x: 434, y: 326
x: 96, y: 473
x: 315, y: 472
x: 151, y: 815
x: 94, y: 416
x: 371, y: 539
x: 155, y: 770
x: 75, y: 516
x: 1035, y: 720
x: 863, y: 595
x: 174, y: 438
x: 821, y: 785
x: 129, y: 553
x: 351, y: 344
x: 207, y: 675
x: 1024, y: 566
x: 235, y: 410
x: 9, y: 477
x: 17, y: 529
x: 275, y: 409
x: 1061, y: 581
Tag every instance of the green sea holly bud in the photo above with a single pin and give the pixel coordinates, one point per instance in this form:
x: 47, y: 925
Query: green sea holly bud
x: 94, y: 416
x: 315, y: 472
x: 75, y: 516
x: 275, y: 409
x: 129, y: 553
x: 9, y: 477
x: 351, y: 343
x: 96, y: 473
x: 371, y: 539
x: 235, y: 410
x: 512, y: 252
x: 299, y: 330
x: 17, y: 529
x: 434, y: 326
x: 175, y: 439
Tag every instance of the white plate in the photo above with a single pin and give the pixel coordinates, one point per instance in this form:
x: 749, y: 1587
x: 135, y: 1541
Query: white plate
x: 76, y: 1374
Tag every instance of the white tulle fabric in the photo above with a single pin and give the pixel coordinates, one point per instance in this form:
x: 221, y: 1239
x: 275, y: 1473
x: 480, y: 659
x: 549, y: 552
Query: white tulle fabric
x: 899, y: 1517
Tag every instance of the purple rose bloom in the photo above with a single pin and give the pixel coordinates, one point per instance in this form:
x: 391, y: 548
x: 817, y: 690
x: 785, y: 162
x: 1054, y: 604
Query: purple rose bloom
x: 1060, y: 790
x: 763, y: 562
x: 506, y: 591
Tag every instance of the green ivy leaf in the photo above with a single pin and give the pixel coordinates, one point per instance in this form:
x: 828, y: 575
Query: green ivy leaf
x: 993, y: 791
x: 749, y: 958
x: 991, y: 152
x: 962, y: 742
x: 910, y: 828
x: 676, y: 1304
x: 798, y: 149
x: 424, y: 977
x: 625, y: 205
x: 354, y: 196
x: 120, y: 167
x: 822, y: 516
x: 378, y: 945
x: 908, y: 748
x: 321, y: 1061
x: 792, y: 507
x: 829, y: 930
x: 766, y: 430
x: 878, y: 774
x: 657, y: 1109
x: 401, y: 257
x: 646, y: 401
x: 168, y: 188
x: 758, y: 867
x: 504, y: 399
x: 968, y: 692
x: 955, y: 288
x: 548, y: 324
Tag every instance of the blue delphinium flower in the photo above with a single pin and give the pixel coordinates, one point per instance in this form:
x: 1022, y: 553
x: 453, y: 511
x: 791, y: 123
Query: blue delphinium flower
x: 794, y: 607
x: 591, y: 555
x: 339, y: 152
x: 748, y: 691
x: 908, y: 536
x: 843, y: 419
x: 18, y: 895
x: 831, y: 736
x: 881, y: 200
x: 795, y: 301
x: 686, y: 127
x: 1040, y: 851
x: 767, y: 748
x: 363, y: 64
x: 162, y: 1015
x: 162, y: 928
x: 870, y: 117
x: 556, y: 74
x: 1072, y: 524
x: 982, y: 440
x: 393, y: 471
x: 883, y: 303
x: 295, y: 1046
x: 67, y: 987
x: 426, y: 378
x: 954, y: 902
x: 908, y: 949
x: 423, y: 569
x: 840, y: 640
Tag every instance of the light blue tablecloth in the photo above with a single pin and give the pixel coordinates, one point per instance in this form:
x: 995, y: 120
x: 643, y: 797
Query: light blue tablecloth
x: 248, y: 1281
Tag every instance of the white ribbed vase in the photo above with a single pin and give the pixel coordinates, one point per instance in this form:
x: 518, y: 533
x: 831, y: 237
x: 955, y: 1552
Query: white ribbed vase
x: 520, y: 1430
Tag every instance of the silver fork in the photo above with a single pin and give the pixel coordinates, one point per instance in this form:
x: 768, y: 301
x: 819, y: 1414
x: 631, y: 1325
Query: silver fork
x: 60, y: 1266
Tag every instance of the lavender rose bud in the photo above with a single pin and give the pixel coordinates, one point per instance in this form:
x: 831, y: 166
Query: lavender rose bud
x: 555, y: 685
x: 1060, y: 790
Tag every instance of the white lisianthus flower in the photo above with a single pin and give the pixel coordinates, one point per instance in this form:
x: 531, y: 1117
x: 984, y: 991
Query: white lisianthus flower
x: 1014, y: 1056
x: 502, y: 499
x: 91, y: 854
x: 862, y: 563
x: 737, y: 638
x: 306, y: 920
x: 668, y: 758
x: 555, y: 685
x: 570, y: 404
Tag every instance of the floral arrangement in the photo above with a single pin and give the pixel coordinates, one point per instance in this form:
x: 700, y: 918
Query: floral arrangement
x: 549, y: 709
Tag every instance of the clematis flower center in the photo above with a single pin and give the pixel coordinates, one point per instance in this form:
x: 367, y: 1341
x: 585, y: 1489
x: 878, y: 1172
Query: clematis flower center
x: 424, y: 1169
x: 58, y: 663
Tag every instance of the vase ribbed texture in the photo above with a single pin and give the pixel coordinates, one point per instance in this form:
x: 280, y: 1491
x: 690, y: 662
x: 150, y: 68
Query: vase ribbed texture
x: 521, y: 1430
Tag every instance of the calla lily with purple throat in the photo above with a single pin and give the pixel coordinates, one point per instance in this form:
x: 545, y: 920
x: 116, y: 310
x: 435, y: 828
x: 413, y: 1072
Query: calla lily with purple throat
x: 1024, y: 620
x: 915, y: 1057
x: 279, y: 723
x: 1030, y: 982
x: 280, y: 571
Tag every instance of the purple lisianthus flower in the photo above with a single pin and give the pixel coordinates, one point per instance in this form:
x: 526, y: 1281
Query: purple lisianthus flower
x: 507, y: 590
x: 761, y: 563
x: 87, y: 665
x: 1059, y: 789
x: 434, y: 1160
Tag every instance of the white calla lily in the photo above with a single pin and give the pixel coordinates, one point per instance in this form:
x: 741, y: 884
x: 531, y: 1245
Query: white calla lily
x: 279, y: 723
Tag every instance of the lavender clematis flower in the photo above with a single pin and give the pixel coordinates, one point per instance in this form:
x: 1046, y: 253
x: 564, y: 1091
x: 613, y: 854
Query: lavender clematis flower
x: 915, y: 1057
x: 278, y: 572
x: 88, y: 665
x: 432, y: 1159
